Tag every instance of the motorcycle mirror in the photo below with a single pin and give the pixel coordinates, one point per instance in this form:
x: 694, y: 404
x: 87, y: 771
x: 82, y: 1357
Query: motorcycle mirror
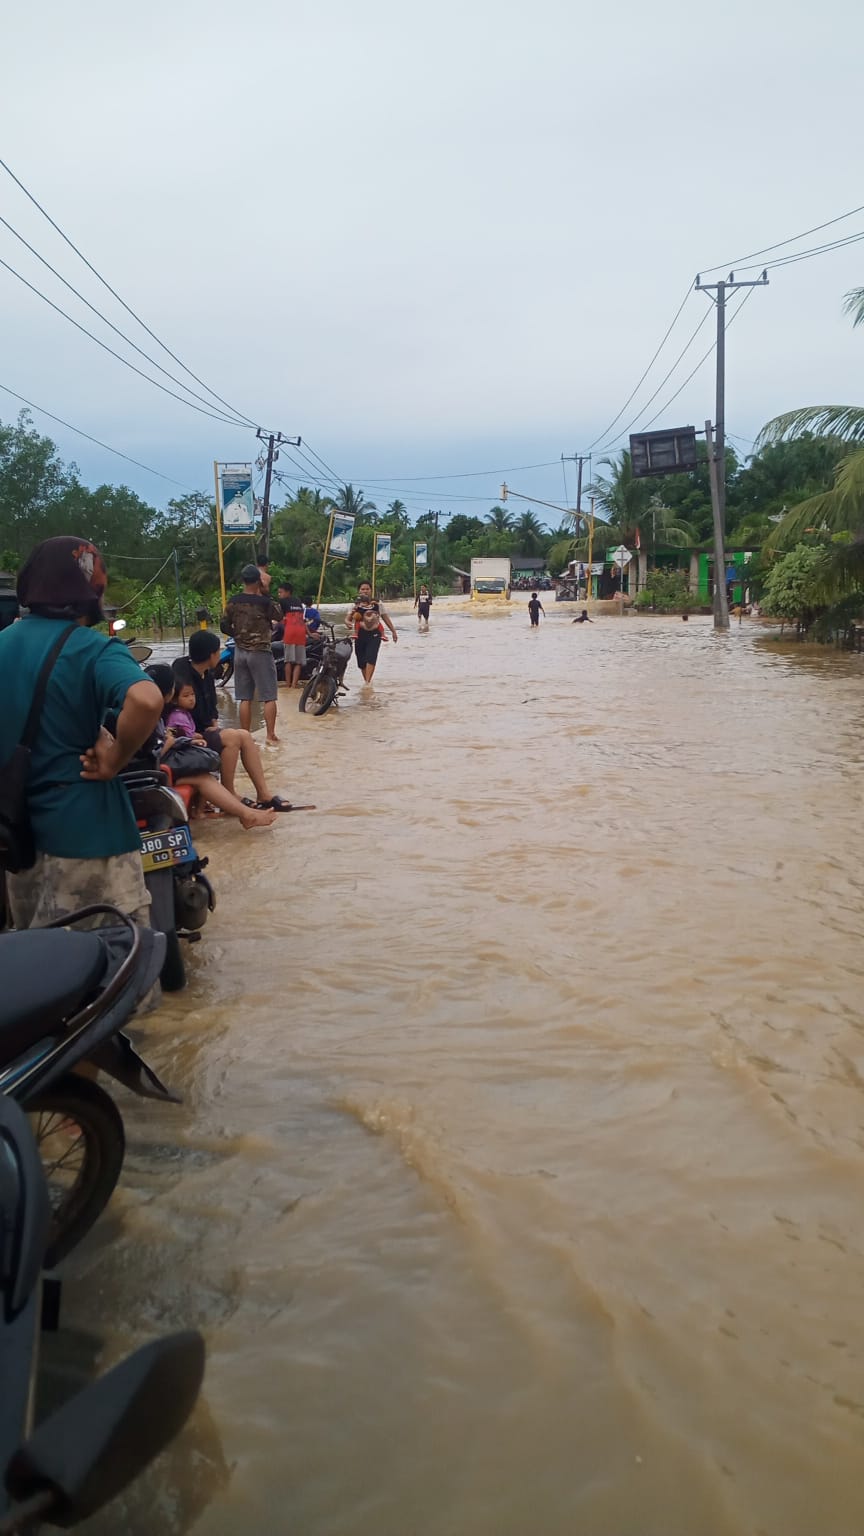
x: 99, y: 1441
x: 118, y: 625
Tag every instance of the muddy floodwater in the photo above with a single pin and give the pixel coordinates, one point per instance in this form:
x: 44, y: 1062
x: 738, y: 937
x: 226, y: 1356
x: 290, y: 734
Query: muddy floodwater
x: 518, y: 1183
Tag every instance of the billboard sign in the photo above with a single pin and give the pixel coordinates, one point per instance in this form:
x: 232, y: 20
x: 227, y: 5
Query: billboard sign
x: 341, y: 535
x: 663, y: 453
x: 383, y: 546
x: 237, y: 498
x: 421, y: 554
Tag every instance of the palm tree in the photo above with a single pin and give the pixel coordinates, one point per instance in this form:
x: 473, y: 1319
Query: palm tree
x: 397, y: 513
x: 840, y: 510
x: 354, y: 502
x: 631, y: 507
x: 500, y: 520
x: 530, y: 531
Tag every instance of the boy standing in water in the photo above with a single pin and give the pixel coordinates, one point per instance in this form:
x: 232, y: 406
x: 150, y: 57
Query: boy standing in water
x: 422, y: 603
x: 535, y: 608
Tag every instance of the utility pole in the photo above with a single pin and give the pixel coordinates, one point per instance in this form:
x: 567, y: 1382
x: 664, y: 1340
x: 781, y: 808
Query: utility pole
x: 273, y: 441
x: 578, y: 459
x: 717, y: 447
x: 434, y: 545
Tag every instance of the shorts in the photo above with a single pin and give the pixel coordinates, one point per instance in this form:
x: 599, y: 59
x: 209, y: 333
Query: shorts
x: 367, y: 644
x: 423, y: 611
x: 535, y: 620
x: 254, y: 673
x: 54, y: 887
x: 213, y: 738
x: 295, y: 655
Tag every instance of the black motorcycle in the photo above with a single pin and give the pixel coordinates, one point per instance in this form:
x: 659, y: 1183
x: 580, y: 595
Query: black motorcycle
x: 102, y: 1438
x: 328, y: 672
x: 181, y: 896
x: 66, y: 995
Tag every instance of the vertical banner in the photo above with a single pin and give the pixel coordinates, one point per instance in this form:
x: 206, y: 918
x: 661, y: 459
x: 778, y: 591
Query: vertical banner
x: 341, y: 535
x: 236, y: 498
x: 383, y: 546
x: 421, y: 554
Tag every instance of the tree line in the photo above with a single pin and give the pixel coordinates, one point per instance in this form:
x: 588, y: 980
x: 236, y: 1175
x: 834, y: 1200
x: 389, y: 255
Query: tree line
x: 802, y: 489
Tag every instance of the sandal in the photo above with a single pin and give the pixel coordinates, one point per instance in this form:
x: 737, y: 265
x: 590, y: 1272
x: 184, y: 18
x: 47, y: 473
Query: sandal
x: 278, y: 804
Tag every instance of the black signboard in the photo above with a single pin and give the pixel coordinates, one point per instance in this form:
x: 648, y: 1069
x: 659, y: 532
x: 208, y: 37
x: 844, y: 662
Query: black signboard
x: 663, y: 453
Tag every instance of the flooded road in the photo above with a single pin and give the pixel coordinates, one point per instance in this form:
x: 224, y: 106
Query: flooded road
x: 517, y: 1186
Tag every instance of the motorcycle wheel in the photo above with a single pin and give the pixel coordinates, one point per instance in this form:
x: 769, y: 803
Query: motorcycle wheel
x: 224, y: 673
x: 318, y: 695
x: 79, y: 1133
x: 173, y: 974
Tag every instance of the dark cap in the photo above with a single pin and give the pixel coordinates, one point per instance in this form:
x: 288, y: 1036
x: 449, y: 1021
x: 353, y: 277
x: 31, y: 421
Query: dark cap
x: 250, y: 573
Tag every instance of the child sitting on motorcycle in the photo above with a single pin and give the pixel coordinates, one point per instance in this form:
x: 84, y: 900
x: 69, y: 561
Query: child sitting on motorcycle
x: 174, y: 727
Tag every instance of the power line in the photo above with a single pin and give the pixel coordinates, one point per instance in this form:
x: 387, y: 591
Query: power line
x: 470, y: 474
x: 681, y: 355
x: 641, y: 381
x: 702, y: 360
x: 226, y: 420
x: 107, y: 446
x: 116, y: 295
x: 817, y: 250
x: 109, y: 323
x: 727, y: 265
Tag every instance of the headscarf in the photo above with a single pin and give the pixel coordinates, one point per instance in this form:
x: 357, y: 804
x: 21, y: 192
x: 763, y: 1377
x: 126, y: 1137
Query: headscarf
x: 64, y: 577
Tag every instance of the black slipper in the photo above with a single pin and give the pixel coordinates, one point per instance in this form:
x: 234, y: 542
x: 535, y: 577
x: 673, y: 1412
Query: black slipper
x: 278, y: 804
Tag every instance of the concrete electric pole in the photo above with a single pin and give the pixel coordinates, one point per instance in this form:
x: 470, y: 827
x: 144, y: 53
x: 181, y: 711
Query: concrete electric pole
x: 717, y: 442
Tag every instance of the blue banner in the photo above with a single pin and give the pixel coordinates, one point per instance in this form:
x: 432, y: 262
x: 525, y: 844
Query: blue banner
x: 237, y: 498
x: 421, y: 554
x: 383, y: 546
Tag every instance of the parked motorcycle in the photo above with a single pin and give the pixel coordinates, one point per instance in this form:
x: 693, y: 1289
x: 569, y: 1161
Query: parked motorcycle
x: 180, y: 893
x: 138, y: 649
x: 328, y: 671
x: 224, y: 672
x: 66, y: 995
x: 87, y: 1452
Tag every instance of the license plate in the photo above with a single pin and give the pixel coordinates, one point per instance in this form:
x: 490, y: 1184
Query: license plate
x: 161, y: 850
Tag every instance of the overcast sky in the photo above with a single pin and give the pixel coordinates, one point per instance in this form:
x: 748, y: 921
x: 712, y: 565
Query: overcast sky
x: 428, y: 238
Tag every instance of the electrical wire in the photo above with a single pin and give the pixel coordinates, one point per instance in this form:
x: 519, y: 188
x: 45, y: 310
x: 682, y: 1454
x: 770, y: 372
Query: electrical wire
x: 121, y: 301
x: 731, y: 265
x: 116, y: 329
x: 681, y: 355
x: 702, y: 360
x: 226, y: 420
x: 107, y: 446
x: 133, y: 600
x: 641, y: 381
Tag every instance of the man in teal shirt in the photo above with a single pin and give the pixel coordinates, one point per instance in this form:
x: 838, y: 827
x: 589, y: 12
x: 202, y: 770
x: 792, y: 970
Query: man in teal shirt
x: 87, y: 841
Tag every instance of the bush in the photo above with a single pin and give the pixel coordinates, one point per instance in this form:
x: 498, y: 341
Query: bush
x: 666, y: 592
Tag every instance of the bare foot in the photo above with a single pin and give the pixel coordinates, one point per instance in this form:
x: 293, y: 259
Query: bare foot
x: 273, y: 741
x: 253, y: 818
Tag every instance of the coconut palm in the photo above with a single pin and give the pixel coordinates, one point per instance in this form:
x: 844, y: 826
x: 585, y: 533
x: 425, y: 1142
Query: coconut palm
x: 354, y: 502
x: 499, y: 520
x: 531, y: 533
x: 397, y: 513
x: 840, y: 510
x: 629, y: 507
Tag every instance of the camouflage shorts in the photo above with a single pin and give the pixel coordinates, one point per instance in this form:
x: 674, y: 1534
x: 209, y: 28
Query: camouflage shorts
x: 55, y: 887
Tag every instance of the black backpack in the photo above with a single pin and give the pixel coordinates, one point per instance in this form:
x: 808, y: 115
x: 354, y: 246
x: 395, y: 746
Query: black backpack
x: 17, y: 848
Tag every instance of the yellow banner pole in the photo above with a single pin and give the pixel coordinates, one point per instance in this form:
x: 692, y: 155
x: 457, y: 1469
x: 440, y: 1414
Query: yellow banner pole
x: 219, y: 537
x: 415, y: 571
x: 374, y: 562
x: 326, y: 553
x: 590, y: 551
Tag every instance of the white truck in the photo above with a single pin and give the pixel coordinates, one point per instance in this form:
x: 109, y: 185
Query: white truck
x: 490, y: 577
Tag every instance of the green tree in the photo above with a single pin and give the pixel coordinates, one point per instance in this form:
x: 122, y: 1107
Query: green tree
x: 500, y: 520
x: 354, y: 502
x: 840, y: 509
x: 795, y: 585
x: 530, y: 534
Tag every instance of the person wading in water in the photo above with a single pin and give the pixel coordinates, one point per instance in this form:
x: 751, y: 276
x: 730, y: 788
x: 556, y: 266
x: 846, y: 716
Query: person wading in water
x: 423, y: 602
x: 365, y: 618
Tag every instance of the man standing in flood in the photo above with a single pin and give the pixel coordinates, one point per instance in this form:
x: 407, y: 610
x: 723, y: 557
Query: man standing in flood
x: 248, y: 618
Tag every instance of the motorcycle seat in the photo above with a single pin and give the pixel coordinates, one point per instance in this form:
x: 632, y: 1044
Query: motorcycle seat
x: 48, y: 973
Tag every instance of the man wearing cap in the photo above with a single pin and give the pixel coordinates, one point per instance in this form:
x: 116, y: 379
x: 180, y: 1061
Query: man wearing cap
x: 248, y: 618
x: 88, y: 848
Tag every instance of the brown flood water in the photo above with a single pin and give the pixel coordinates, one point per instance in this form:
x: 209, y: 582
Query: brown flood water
x: 517, y: 1186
